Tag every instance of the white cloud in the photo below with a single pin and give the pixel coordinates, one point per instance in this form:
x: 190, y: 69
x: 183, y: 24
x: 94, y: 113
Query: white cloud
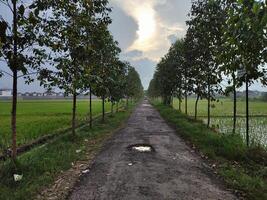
x: 153, y: 31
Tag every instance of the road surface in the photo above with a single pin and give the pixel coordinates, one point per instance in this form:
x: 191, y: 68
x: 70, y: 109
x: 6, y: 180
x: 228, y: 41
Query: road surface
x: 171, y: 171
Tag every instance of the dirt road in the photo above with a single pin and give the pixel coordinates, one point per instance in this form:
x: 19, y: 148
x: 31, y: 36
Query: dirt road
x: 171, y: 171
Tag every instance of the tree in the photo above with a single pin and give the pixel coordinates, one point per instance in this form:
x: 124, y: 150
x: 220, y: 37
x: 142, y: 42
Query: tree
x: 205, y: 22
x: 134, y: 88
x: 63, y: 35
x: 92, y: 22
x: 107, y: 55
x: 118, y: 84
x: 245, y: 39
x: 153, y: 91
x: 21, y: 50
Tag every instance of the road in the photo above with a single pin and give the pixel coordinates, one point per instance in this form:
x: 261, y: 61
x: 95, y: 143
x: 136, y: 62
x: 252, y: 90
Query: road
x: 170, y: 171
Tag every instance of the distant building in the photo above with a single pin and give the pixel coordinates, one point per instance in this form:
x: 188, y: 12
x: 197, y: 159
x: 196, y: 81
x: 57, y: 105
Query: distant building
x: 27, y: 94
x: 36, y: 94
x: 60, y: 94
x: 5, y: 92
x: 50, y: 93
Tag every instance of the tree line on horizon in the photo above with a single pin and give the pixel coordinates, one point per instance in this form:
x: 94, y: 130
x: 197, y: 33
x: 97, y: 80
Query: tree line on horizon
x: 226, y: 40
x: 65, y: 44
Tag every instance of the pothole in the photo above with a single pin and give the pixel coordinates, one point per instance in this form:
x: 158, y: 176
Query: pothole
x: 141, y: 148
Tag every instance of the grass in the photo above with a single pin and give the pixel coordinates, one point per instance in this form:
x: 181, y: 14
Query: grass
x: 42, y: 165
x: 242, y: 168
x: 224, y: 107
x: 222, y: 120
x: 41, y: 117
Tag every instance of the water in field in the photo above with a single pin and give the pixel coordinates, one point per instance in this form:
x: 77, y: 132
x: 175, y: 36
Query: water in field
x: 257, y: 127
x: 222, y: 120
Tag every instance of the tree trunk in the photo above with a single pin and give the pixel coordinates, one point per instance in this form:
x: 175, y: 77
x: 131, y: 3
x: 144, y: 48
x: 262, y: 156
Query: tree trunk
x: 196, y: 104
x: 103, y: 109
x: 112, y: 106
x: 90, y: 109
x: 186, y: 103
x: 74, y: 113
x: 247, y: 112
x: 208, y: 124
x: 117, y: 106
x: 180, y: 100
x: 234, y: 87
x: 127, y: 103
x: 15, y: 85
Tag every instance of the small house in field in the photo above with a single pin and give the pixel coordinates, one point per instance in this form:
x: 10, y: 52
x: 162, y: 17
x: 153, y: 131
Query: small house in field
x: 5, y: 92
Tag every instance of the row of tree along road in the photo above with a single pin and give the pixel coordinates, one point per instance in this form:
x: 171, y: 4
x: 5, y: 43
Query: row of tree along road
x: 226, y: 41
x: 65, y: 44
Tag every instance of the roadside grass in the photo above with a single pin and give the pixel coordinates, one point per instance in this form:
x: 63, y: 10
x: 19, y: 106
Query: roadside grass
x: 41, y: 117
x: 243, y: 169
x: 42, y: 165
x: 222, y: 117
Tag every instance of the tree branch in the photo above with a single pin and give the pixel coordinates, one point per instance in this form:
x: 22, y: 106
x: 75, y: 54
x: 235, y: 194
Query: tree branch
x: 7, y: 4
x: 5, y: 72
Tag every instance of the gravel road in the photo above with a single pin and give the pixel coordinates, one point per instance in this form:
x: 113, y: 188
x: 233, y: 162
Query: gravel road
x: 170, y: 171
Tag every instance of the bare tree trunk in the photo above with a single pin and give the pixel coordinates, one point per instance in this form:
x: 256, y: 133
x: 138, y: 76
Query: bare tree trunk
x: 186, y: 103
x: 208, y: 124
x: 180, y: 101
x: 127, y: 103
x: 74, y: 113
x: 117, y: 106
x: 247, y: 112
x: 112, y: 110
x: 90, y: 109
x: 103, y: 109
x: 234, y: 85
x: 196, y: 104
x: 15, y: 84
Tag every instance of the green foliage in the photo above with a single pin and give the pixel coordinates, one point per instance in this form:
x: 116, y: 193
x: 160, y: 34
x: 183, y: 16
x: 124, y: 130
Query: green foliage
x: 73, y: 38
x: 18, y: 41
x: 224, y: 40
x: 244, y: 39
x: 170, y: 77
x: 134, y: 88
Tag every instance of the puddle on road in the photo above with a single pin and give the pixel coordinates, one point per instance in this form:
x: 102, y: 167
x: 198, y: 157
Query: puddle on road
x: 141, y: 148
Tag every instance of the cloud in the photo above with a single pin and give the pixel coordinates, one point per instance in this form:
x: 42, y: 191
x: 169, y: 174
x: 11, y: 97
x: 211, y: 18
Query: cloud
x: 133, y: 54
x: 123, y: 27
x: 154, y: 28
x: 172, y: 38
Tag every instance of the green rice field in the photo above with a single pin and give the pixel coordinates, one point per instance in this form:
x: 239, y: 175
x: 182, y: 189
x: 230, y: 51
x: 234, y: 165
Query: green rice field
x: 36, y: 118
x: 222, y: 120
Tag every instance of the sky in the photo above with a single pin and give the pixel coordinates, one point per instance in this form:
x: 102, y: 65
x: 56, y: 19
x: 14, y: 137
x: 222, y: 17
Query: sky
x: 145, y: 30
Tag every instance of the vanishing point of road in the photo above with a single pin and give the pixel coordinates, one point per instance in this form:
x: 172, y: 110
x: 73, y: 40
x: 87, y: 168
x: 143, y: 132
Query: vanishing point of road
x: 171, y: 171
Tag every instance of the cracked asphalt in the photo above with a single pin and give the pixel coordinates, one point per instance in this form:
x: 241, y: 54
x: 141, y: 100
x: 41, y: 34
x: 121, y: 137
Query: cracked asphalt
x: 172, y: 171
